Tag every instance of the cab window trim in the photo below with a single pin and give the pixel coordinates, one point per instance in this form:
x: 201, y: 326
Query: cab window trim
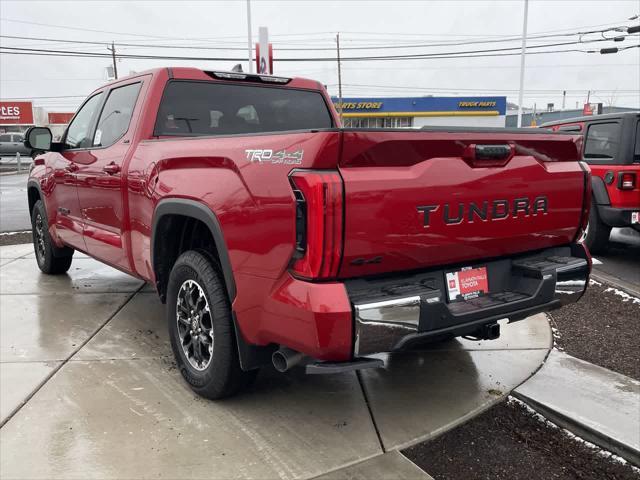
x: 92, y: 123
x: 104, y: 104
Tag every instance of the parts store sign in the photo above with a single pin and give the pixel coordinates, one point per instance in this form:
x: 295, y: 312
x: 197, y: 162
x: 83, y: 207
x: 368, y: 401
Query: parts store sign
x: 16, y: 113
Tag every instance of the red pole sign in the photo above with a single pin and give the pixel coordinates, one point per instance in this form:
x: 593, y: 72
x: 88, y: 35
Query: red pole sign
x: 59, y: 118
x: 16, y: 113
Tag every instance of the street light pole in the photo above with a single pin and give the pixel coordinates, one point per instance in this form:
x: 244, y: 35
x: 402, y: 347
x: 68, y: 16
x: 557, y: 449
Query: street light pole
x: 522, y: 55
x: 339, y: 77
x: 249, y: 49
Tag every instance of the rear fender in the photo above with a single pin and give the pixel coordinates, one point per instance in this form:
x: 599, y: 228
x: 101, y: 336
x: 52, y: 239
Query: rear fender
x: 599, y: 189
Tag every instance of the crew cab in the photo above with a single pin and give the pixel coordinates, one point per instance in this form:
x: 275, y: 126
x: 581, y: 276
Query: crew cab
x: 273, y: 235
x: 612, y: 150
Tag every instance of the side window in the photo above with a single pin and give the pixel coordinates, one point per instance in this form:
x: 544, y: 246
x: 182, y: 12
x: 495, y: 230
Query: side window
x: 78, y: 133
x: 602, y: 141
x: 5, y: 138
x: 116, y: 115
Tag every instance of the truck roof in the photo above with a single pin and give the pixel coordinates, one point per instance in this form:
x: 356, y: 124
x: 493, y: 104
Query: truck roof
x: 191, y: 73
x: 606, y: 116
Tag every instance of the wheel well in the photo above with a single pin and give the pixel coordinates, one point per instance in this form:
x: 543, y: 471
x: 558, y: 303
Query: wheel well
x: 176, y: 234
x: 33, y: 195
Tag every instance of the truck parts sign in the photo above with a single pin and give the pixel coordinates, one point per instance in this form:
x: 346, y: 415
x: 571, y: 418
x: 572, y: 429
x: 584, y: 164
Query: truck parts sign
x: 16, y: 113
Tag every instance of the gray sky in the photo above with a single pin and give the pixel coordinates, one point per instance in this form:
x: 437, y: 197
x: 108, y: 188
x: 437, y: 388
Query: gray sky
x: 611, y: 78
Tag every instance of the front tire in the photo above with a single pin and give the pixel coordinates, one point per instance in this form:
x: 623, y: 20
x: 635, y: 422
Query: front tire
x: 51, y: 259
x: 598, y: 233
x: 201, y: 329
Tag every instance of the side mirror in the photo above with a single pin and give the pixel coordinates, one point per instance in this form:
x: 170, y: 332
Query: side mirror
x: 38, y: 138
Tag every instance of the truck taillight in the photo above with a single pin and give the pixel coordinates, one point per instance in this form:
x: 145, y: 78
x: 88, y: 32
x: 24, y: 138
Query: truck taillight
x: 319, y: 223
x: 627, y: 181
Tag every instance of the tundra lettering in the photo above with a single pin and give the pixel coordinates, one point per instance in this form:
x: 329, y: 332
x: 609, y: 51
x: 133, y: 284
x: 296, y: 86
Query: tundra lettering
x: 274, y: 236
x: 500, y: 209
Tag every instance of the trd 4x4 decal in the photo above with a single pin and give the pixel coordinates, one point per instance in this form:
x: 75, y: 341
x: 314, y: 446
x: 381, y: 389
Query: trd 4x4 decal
x: 277, y: 157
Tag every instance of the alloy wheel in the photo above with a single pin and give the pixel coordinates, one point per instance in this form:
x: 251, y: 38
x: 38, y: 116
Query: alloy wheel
x: 39, y: 238
x: 195, y: 325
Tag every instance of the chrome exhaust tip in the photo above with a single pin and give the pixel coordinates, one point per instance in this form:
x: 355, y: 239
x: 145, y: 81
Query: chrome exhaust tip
x: 285, y: 358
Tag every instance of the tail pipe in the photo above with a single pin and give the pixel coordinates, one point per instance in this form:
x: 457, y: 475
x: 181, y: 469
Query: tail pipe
x: 285, y: 358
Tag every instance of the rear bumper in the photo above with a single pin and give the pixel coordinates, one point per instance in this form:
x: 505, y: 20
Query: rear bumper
x: 341, y: 321
x: 525, y: 286
x: 617, y: 217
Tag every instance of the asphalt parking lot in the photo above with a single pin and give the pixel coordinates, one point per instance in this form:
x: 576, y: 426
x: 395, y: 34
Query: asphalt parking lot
x: 88, y: 377
x: 14, y: 214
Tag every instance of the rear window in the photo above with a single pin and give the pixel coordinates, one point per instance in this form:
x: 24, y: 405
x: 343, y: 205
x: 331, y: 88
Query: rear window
x: 201, y: 108
x: 602, y: 141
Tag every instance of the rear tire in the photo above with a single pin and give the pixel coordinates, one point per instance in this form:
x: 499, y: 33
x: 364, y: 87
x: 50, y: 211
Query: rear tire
x: 201, y: 329
x: 51, y: 260
x: 598, y: 233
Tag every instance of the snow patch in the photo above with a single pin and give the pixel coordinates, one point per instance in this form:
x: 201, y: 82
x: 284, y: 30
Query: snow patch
x: 625, y: 296
x: 595, y: 261
x: 594, y: 282
x: 597, y: 450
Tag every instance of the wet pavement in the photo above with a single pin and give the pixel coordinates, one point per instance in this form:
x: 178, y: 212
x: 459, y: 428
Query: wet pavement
x: 89, y: 389
x: 620, y: 264
x: 390, y: 466
x: 14, y: 210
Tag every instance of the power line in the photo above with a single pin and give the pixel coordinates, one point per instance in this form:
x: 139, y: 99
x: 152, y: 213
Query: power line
x: 456, y: 54
x: 368, y: 47
x: 405, y: 87
x: 304, y: 34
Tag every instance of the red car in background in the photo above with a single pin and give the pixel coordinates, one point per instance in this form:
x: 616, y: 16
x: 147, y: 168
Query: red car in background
x: 611, y: 147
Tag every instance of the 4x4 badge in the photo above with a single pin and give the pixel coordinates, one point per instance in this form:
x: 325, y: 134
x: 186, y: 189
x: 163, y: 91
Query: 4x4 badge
x: 277, y: 157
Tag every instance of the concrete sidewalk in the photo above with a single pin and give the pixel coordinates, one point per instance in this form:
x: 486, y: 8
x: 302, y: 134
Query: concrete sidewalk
x: 594, y: 403
x: 89, y: 389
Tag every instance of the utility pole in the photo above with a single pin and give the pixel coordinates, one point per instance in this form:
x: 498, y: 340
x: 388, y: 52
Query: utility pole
x: 564, y: 98
x: 113, y: 57
x: 249, y: 49
x: 522, y: 55
x: 339, y: 78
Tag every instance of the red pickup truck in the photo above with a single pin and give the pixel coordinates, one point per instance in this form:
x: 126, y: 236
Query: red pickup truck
x: 275, y: 236
x: 612, y: 150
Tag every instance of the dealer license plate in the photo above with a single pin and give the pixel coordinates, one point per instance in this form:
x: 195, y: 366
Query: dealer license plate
x: 467, y: 283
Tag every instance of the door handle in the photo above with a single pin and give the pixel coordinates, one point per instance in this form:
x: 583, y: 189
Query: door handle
x: 72, y: 167
x: 111, y: 168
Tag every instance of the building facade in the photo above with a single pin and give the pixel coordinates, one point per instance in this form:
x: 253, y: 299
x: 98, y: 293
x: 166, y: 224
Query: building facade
x: 16, y: 116
x: 417, y: 112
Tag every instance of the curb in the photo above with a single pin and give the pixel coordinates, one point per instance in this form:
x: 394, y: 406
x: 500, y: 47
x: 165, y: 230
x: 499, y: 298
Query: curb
x: 570, y: 394
x: 616, y: 282
x: 582, y: 431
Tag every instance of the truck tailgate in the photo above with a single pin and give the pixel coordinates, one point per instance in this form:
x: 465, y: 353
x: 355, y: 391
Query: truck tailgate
x: 417, y: 199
